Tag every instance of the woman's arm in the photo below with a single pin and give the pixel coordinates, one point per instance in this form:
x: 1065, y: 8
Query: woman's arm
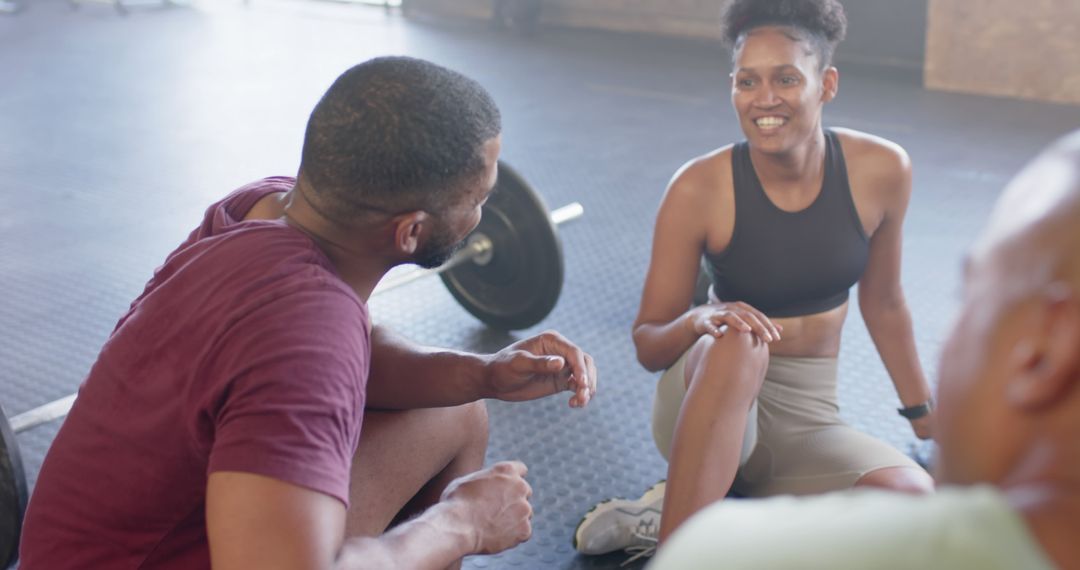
x: 881, y: 296
x: 666, y: 325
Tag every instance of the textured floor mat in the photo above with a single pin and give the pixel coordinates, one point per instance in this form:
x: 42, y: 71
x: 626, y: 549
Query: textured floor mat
x: 118, y: 132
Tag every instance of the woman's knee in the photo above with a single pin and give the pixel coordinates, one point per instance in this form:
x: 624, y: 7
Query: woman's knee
x: 742, y: 348
x: 738, y: 355
x: 910, y: 480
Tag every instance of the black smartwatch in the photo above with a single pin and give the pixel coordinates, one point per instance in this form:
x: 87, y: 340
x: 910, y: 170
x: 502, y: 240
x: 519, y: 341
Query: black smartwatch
x: 917, y: 411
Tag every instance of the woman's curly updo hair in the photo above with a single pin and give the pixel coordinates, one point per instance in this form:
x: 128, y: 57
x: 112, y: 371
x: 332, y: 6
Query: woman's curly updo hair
x: 821, y: 23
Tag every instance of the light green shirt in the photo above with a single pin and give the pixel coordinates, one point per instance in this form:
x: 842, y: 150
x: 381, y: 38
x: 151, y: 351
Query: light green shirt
x: 955, y: 529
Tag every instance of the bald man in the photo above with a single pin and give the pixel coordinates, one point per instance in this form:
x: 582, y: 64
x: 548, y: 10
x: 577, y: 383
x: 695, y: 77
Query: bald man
x: 1008, y: 422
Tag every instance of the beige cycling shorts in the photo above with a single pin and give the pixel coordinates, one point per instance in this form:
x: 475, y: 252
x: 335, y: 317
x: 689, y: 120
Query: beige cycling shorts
x: 795, y: 441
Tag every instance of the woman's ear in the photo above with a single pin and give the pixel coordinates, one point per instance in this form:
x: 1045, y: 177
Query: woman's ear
x: 830, y: 84
x: 1046, y: 362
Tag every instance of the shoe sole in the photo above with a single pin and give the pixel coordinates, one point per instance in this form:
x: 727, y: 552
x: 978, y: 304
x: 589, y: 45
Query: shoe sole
x: 605, y: 506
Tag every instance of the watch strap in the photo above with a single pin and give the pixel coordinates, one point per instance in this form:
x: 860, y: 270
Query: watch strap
x: 917, y: 411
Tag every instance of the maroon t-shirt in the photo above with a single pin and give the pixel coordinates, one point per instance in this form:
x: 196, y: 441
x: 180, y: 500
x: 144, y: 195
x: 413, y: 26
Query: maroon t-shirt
x: 246, y: 352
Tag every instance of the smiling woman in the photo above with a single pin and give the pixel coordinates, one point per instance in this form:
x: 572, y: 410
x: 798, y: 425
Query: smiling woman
x: 784, y: 223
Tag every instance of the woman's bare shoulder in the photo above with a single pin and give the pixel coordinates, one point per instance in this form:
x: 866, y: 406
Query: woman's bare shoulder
x: 873, y: 160
x: 876, y: 151
x: 703, y: 174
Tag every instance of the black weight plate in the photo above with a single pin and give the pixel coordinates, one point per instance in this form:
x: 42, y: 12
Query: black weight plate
x: 12, y: 493
x: 522, y: 282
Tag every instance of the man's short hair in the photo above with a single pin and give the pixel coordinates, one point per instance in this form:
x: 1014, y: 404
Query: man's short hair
x: 396, y: 134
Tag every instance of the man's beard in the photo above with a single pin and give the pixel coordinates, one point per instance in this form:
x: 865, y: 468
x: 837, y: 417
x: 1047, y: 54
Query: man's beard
x: 437, y: 251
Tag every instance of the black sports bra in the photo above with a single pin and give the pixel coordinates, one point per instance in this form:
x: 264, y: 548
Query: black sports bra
x: 789, y: 264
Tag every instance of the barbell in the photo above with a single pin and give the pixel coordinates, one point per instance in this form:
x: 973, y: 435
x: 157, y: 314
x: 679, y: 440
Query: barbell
x: 509, y: 275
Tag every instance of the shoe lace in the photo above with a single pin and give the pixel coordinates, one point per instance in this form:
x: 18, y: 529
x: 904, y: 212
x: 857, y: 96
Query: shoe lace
x: 647, y: 531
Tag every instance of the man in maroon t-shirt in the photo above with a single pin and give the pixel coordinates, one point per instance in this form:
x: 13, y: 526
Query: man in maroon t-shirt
x: 245, y: 413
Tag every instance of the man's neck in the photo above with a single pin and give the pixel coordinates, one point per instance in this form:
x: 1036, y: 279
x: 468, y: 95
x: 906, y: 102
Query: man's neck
x: 1045, y: 491
x: 359, y: 267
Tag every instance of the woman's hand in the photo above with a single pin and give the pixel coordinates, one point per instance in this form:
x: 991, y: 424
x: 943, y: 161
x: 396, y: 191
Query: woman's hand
x: 924, y: 426
x: 716, y: 318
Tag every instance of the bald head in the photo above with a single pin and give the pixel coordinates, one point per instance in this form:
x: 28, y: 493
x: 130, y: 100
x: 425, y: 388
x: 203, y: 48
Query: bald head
x: 1009, y: 381
x: 1036, y: 223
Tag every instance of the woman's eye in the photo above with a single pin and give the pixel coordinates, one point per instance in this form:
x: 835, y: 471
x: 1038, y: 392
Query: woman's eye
x: 745, y: 83
x: 789, y: 80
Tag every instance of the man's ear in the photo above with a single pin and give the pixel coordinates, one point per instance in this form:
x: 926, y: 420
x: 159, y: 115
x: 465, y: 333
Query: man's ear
x: 830, y: 84
x: 409, y: 231
x: 1046, y: 361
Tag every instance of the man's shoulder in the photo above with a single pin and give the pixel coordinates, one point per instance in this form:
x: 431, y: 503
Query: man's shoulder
x: 254, y: 272
x: 956, y: 528
x: 239, y: 201
x: 230, y: 210
x: 256, y: 258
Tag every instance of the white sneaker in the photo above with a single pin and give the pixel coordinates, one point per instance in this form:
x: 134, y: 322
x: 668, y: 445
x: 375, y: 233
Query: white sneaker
x: 622, y: 524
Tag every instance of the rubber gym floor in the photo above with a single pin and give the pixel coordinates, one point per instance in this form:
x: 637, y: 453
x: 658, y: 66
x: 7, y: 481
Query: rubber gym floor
x: 117, y: 131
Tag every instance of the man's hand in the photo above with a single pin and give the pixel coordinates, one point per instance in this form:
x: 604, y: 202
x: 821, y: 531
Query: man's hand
x: 541, y: 366
x: 924, y: 426
x: 494, y: 504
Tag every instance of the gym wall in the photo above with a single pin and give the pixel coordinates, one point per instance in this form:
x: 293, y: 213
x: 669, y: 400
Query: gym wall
x: 1025, y: 49
x: 991, y: 47
x: 882, y: 32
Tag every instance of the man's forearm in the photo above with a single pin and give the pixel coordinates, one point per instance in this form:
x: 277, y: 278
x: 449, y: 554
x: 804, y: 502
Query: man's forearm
x: 433, y: 540
x: 891, y: 330
x: 405, y: 375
